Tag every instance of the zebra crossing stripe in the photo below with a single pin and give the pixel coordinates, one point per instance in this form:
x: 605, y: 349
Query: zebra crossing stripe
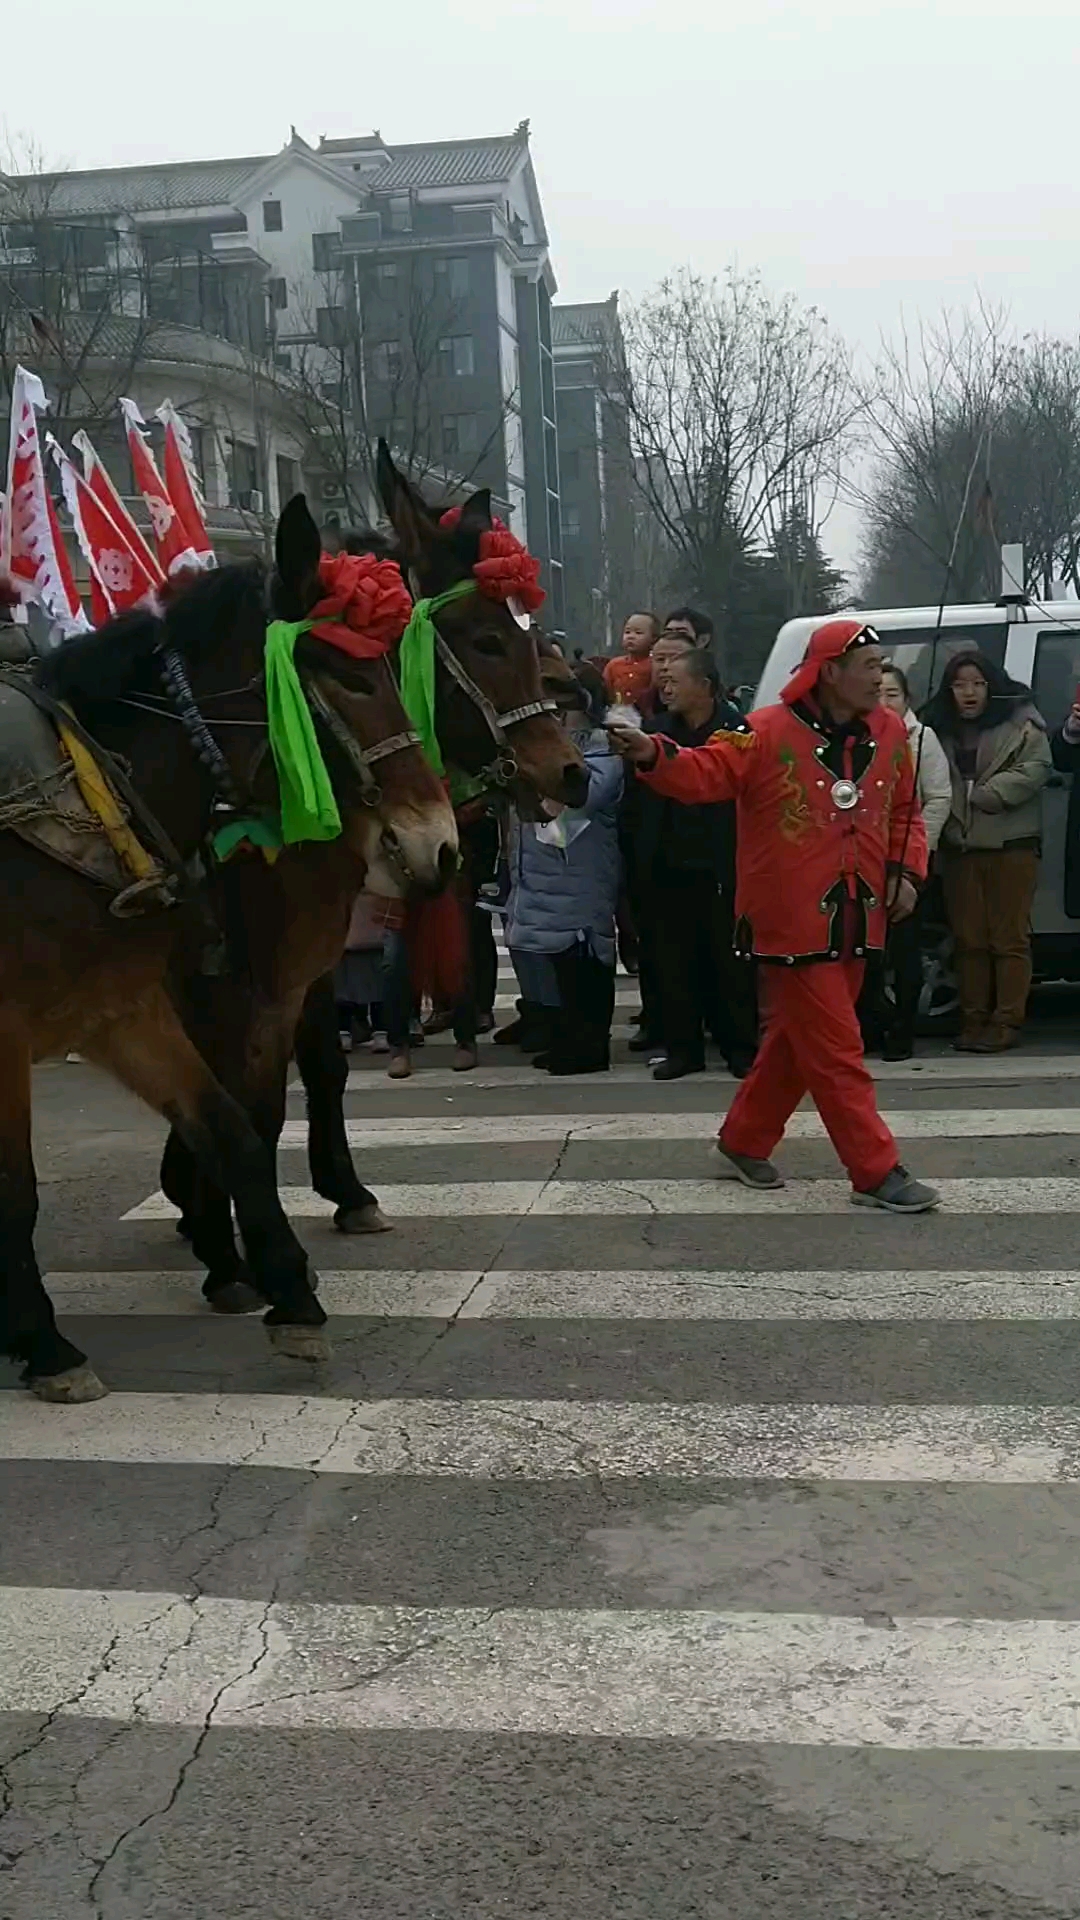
x: 546, y: 1439
x: 928, y: 1123
x: 646, y: 1294
x: 913, y: 1684
x: 581, y: 1198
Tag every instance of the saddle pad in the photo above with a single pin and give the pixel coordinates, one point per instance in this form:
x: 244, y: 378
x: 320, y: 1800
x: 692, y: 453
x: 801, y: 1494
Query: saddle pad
x: 40, y: 796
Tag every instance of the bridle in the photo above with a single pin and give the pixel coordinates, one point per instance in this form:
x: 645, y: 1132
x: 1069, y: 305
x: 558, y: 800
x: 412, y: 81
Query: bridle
x: 503, y: 770
x: 228, y: 802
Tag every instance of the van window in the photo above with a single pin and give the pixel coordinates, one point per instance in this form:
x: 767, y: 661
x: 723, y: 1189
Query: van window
x: 1057, y: 670
x: 914, y: 651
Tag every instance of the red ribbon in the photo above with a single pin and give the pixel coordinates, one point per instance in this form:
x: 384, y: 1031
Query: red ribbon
x: 367, y: 601
x: 505, y: 570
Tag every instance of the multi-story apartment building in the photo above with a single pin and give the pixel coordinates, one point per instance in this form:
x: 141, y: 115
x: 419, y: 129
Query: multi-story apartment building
x: 596, y: 486
x: 296, y: 305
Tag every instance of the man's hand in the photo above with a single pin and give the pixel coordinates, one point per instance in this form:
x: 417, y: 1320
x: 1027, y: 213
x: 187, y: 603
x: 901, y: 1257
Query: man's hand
x: 633, y: 745
x: 901, y: 898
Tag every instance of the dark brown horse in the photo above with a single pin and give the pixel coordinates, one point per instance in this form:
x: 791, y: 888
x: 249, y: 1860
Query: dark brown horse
x: 494, y: 718
x: 74, y: 976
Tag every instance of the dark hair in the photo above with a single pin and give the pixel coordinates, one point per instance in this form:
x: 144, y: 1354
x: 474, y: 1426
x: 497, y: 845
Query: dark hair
x: 898, y: 674
x: 1004, y: 693
x: 700, y: 664
x: 645, y: 613
x: 702, y: 625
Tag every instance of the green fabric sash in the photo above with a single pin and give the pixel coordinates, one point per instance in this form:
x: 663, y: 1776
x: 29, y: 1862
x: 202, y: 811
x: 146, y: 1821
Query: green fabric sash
x: 309, y: 810
x: 416, y: 668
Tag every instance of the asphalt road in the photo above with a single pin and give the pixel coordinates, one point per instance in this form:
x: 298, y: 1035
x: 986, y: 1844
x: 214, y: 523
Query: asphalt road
x: 631, y: 1560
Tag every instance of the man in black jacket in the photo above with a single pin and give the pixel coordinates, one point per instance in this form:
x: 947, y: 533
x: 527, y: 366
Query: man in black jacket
x: 684, y: 857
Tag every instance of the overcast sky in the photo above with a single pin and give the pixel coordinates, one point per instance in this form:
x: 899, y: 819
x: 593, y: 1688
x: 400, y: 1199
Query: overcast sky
x: 876, y: 159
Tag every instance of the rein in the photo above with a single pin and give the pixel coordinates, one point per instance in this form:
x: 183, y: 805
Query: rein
x: 420, y: 646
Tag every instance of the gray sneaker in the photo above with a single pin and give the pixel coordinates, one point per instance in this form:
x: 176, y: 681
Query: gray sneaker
x: 899, y: 1193
x: 759, y: 1174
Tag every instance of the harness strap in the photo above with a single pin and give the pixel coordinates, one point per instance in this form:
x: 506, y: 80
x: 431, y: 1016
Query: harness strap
x: 63, y: 718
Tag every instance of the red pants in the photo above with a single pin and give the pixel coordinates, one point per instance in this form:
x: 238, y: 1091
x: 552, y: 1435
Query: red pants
x: 812, y: 1045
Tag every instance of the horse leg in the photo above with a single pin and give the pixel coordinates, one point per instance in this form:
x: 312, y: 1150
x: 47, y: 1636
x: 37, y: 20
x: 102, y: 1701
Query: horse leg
x: 324, y: 1071
x: 150, y: 1052
x: 52, y: 1367
x: 206, y: 1222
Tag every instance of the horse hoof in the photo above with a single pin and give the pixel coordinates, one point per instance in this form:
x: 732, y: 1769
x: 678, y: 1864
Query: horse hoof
x: 75, y: 1388
x: 236, y: 1296
x: 300, y: 1343
x: 362, y: 1220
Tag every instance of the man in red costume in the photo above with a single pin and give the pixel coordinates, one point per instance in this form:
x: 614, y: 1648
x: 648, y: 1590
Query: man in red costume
x: 829, y: 846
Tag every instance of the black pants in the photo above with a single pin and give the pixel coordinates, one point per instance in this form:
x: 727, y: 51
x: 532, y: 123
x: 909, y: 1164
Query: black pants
x: 484, y: 958
x: 701, y: 981
x: 892, y: 1017
x: 581, y: 1026
x: 637, y: 897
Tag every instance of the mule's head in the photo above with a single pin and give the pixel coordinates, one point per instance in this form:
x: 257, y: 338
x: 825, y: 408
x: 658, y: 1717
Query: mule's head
x: 495, y: 653
x: 402, y: 825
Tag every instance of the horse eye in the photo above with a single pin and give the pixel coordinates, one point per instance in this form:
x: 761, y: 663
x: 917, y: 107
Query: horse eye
x: 491, y: 643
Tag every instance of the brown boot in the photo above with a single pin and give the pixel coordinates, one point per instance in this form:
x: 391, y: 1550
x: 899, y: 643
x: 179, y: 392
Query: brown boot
x: 969, y: 1040
x: 997, y: 1039
x: 400, y: 1066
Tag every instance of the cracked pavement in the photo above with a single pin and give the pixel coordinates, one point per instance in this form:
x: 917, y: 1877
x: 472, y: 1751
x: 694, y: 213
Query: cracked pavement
x: 218, y: 1620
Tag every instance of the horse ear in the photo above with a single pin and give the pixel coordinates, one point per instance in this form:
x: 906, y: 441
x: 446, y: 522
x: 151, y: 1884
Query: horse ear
x: 297, y: 548
x: 476, y: 514
x: 406, y: 510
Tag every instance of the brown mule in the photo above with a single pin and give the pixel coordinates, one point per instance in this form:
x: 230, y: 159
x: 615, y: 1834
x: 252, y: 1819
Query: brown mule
x: 494, y: 719
x: 74, y: 976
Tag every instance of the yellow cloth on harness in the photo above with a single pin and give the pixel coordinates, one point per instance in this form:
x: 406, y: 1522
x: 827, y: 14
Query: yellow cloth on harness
x: 101, y: 801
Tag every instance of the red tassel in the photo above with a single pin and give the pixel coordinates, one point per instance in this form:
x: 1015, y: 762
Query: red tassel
x: 436, y: 935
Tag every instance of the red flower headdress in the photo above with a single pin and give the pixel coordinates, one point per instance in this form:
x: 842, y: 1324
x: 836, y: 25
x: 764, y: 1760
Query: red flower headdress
x: 506, y: 570
x: 365, y: 607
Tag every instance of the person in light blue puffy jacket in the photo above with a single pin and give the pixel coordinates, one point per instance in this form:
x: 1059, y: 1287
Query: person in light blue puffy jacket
x: 564, y: 883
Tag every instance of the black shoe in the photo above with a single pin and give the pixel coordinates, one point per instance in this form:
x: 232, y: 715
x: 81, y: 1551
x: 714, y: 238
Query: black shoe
x: 643, y: 1043
x: 563, y: 1063
x: 739, y: 1064
x: 676, y: 1067
x: 897, y: 1046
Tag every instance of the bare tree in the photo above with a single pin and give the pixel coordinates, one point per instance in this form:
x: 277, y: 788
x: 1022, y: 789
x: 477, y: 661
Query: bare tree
x: 932, y: 405
x: 738, y: 405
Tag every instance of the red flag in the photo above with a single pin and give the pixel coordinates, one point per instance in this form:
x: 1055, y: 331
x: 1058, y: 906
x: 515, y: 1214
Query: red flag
x: 182, y: 481
x: 32, y: 550
x: 99, y: 480
x: 122, y: 580
x: 175, y: 550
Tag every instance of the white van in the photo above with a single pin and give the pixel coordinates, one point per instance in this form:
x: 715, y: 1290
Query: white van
x: 1037, y: 644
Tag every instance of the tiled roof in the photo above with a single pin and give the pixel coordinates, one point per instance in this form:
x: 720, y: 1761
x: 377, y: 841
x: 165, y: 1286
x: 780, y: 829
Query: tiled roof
x: 439, y: 163
x: 198, y: 183
x: 586, y: 325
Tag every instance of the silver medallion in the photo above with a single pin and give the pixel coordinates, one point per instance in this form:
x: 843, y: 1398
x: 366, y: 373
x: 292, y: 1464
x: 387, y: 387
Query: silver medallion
x: 845, y: 795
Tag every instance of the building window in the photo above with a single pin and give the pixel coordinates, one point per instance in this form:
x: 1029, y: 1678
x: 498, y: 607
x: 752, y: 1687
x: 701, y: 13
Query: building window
x: 460, y: 435
x: 330, y: 325
x: 283, y: 360
x: 279, y: 294
x: 243, y: 461
x: 456, y: 355
x: 288, y: 480
x: 571, y: 523
x: 386, y: 360
x: 452, y: 276
x: 570, y: 464
x: 386, y: 275
x: 324, y: 250
x: 271, y: 216
x: 399, y: 214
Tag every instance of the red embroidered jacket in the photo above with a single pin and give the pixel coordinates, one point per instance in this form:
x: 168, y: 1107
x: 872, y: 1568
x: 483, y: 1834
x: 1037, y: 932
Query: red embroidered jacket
x: 810, y: 872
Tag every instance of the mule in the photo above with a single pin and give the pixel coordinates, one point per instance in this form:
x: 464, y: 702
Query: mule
x: 494, y: 719
x: 72, y: 975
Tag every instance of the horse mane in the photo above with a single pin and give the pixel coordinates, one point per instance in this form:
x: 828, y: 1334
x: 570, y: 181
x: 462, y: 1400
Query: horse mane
x: 112, y: 660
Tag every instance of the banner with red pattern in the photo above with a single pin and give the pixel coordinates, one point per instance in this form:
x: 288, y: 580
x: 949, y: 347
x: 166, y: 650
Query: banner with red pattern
x: 174, y: 548
x: 32, y: 551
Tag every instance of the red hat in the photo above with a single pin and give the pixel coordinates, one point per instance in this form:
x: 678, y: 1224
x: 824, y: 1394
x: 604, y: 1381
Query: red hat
x: 828, y: 642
